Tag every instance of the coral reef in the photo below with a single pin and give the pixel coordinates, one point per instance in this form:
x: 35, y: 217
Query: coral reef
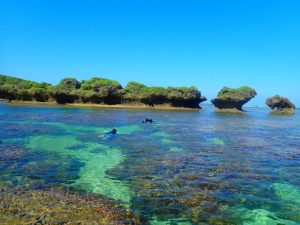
x: 56, y: 205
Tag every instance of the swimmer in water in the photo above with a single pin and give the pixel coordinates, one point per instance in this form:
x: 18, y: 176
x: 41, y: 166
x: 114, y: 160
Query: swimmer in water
x: 109, y: 134
x: 146, y: 120
x: 113, y: 131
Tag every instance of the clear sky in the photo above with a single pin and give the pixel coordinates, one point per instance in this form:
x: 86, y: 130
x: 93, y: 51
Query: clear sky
x: 205, y: 43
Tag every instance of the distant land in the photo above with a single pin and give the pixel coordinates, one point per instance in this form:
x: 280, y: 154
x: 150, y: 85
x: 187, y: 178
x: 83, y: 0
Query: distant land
x: 103, y: 92
x: 99, y: 91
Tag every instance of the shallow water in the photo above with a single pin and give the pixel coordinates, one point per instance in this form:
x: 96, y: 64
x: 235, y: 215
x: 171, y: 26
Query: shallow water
x: 185, y: 168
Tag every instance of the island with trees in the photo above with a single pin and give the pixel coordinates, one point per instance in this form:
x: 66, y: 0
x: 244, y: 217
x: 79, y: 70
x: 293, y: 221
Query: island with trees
x: 99, y: 91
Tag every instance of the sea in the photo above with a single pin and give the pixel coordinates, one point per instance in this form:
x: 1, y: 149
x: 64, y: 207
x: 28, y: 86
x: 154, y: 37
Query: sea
x: 187, y: 167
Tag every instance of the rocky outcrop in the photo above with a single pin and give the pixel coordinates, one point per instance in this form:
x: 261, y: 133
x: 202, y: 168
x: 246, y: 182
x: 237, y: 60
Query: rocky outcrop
x: 99, y: 91
x: 232, y: 100
x: 185, y: 97
x: 154, y: 96
x: 280, y: 105
x: 12, y: 88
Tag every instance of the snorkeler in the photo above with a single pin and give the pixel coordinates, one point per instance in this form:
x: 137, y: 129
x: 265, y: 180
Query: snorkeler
x: 113, y: 131
x: 146, y: 120
x: 109, y: 134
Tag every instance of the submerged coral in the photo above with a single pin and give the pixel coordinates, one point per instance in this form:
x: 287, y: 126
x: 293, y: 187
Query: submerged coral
x: 10, y: 153
x: 56, y: 205
x: 217, y: 141
x: 97, y: 159
x: 258, y: 216
x: 287, y: 192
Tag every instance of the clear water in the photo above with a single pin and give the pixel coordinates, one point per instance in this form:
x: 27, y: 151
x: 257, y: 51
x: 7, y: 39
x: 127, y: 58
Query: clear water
x: 186, y: 168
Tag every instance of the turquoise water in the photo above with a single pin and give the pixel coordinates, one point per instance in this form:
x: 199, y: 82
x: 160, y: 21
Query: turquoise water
x: 185, y: 168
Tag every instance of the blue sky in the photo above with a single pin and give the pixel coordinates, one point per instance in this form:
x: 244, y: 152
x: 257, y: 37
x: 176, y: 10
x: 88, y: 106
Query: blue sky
x: 205, y: 43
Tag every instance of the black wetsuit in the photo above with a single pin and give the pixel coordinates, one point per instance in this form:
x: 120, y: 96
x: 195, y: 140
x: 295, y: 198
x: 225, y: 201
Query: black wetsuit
x: 147, y: 120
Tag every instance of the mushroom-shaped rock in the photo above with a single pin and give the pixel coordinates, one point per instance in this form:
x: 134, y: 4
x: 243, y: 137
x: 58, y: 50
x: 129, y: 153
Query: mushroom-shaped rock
x: 232, y: 100
x: 154, y: 96
x: 280, y: 105
x: 185, y: 97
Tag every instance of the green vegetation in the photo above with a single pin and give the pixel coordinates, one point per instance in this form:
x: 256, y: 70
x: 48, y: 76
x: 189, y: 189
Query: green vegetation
x: 69, y: 84
x: 280, y: 105
x: 12, y: 88
x: 136, y: 92
x: 177, y: 97
x: 233, y: 99
x: 98, y: 91
x: 97, y: 83
x: 239, y: 93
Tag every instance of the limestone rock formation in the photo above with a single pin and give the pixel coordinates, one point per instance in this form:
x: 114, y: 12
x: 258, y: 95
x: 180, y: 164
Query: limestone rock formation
x: 189, y: 97
x: 232, y: 100
x: 280, y: 105
x: 99, y: 91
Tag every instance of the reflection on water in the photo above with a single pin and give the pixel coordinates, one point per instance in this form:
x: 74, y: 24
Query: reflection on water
x: 185, y: 168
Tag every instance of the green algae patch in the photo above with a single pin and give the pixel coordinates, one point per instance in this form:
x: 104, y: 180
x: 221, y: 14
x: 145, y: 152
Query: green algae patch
x: 99, y: 130
x: 178, y: 221
x: 217, y: 141
x: 258, y: 216
x: 175, y: 149
x: 93, y: 177
x: 161, y: 134
x: 167, y: 141
x: 77, y: 128
x: 56, y: 205
x: 97, y: 160
x: 53, y: 144
x: 287, y: 192
x: 162, y: 123
x: 164, y: 137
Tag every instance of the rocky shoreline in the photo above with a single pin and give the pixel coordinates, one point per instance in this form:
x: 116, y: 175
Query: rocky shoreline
x: 105, y: 93
x: 103, y: 106
x: 100, y: 91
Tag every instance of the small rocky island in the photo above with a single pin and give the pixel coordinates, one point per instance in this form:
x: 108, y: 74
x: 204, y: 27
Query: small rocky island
x: 100, y: 91
x: 280, y: 105
x: 232, y: 100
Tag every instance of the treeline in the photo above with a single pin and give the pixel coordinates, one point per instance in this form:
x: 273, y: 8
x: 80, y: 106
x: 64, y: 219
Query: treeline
x: 98, y: 91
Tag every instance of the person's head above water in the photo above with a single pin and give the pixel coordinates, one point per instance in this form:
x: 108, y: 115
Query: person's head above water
x: 146, y: 120
x: 114, y: 131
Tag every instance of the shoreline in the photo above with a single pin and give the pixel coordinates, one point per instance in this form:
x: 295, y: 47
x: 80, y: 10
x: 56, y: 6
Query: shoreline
x: 229, y: 111
x: 104, y: 106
